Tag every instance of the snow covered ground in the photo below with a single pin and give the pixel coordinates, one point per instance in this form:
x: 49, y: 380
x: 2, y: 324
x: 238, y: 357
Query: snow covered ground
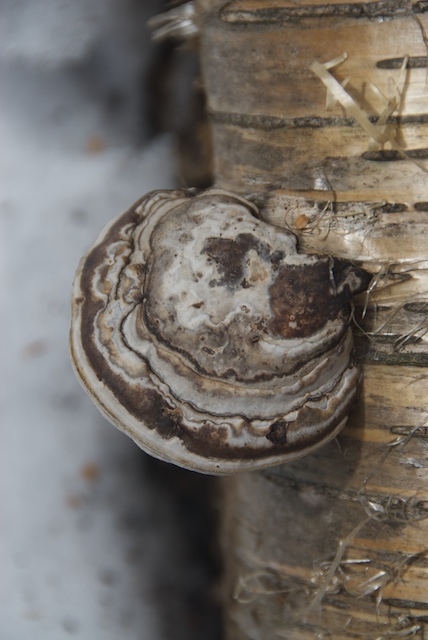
x: 86, y: 533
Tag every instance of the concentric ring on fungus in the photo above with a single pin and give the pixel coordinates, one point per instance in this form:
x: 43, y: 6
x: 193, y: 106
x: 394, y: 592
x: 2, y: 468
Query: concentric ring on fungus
x: 203, y: 333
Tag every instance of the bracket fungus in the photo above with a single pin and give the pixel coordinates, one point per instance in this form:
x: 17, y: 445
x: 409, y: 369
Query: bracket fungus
x: 204, y: 334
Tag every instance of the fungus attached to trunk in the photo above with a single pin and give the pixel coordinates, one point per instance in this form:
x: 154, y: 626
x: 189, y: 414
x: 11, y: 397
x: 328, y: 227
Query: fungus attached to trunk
x: 205, y: 335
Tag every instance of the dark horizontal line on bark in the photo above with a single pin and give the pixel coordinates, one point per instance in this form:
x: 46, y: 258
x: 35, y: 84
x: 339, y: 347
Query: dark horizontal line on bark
x: 392, y: 207
x: 274, y: 122
x: 392, y: 155
x: 277, y: 15
x: 401, y: 430
x: 407, y: 604
x: 421, y: 206
x: 247, y: 121
x: 409, y: 511
x: 414, y: 62
x: 419, y: 118
x: 416, y: 307
x: 377, y: 351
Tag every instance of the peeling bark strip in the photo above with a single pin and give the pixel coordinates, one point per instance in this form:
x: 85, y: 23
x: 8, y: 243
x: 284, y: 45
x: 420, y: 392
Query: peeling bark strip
x: 334, y: 545
x: 354, y: 229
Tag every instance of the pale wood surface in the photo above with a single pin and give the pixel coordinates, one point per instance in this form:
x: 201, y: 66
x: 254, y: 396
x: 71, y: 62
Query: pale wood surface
x: 334, y: 545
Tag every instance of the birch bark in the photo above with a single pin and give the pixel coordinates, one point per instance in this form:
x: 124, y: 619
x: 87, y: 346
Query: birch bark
x: 336, y: 148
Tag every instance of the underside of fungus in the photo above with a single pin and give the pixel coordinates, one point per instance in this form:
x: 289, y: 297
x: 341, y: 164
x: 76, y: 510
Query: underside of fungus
x: 204, y: 334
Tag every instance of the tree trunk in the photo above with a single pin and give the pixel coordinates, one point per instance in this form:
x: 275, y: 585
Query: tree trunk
x: 334, y: 545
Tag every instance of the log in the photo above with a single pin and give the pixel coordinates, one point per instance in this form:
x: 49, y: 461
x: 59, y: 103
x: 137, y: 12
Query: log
x: 319, y: 112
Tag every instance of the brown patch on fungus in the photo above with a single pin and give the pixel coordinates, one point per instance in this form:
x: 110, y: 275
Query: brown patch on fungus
x: 300, y: 299
x: 278, y: 432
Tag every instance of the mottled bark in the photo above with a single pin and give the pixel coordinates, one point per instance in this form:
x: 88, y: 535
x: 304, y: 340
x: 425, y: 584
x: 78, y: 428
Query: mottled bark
x: 334, y: 545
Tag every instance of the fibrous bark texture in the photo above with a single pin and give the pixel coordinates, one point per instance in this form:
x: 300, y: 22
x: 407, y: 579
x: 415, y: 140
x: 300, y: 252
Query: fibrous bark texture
x: 320, y: 110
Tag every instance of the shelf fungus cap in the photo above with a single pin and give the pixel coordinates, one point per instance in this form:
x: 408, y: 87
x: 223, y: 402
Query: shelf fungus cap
x: 204, y: 334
